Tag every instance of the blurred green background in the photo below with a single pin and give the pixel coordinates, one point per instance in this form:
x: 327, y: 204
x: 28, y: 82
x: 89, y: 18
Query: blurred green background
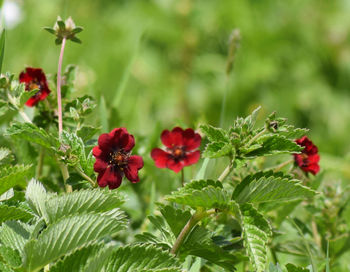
x: 159, y: 63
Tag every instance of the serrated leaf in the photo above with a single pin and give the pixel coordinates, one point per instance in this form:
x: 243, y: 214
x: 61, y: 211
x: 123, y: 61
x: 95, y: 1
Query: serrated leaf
x: 25, y: 95
x: 13, y: 213
x: 141, y: 258
x: 5, y: 268
x: 214, y: 134
x: 69, y: 234
x: 11, y: 256
x: 256, y: 232
x: 4, y: 107
x: 217, y: 149
x: 176, y: 218
x: 7, y: 195
x: 33, y: 134
x: 15, y: 234
x: 268, y: 187
x: 272, y: 144
x: 80, y: 259
x: 83, y: 201
x: 36, y: 197
x: 5, y: 155
x: 293, y: 268
x: 13, y: 176
x: 87, y: 132
x: 203, y: 193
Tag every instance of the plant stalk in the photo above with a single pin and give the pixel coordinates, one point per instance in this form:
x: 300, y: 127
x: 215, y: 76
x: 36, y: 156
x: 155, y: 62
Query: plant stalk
x: 283, y: 164
x: 86, y: 177
x: 227, y: 171
x: 65, y: 174
x: 182, y: 177
x: 196, y: 217
x: 59, y: 81
x: 256, y: 136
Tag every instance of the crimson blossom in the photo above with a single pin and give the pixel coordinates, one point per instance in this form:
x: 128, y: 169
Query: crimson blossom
x: 34, y: 78
x: 308, y: 159
x: 180, y: 151
x: 114, y: 159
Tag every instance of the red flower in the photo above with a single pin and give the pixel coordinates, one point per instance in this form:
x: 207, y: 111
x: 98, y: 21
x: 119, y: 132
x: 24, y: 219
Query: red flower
x: 113, y: 159
x: 308, y: 159
x: 180, y: 149
x: 34, y: 78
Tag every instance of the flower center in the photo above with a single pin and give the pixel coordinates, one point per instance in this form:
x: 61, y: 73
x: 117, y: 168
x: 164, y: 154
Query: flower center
x: 118, y: 158
x: 33, y: 86
x: 178, y: 152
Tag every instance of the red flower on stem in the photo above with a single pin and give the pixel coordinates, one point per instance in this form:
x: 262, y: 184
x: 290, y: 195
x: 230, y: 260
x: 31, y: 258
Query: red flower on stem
x: 180, y: 151
x: 114, y: 159
x: 34, y: 78
x: 308, y: 159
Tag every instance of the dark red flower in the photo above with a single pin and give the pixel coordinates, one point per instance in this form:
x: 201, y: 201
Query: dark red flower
x: 308, y: 159
x: 180, y: 149
x: 34, y: 78
x: 114, y: 159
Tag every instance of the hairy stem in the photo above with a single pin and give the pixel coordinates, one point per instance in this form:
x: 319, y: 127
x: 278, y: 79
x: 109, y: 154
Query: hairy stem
x: 227, y: 171
x: 65, y: 175
x: 59, y: 81
x: 39, y: 167
x: 283, y: 164
x: 195, y: 218
x: 256, y: 137
x: 86, y: 177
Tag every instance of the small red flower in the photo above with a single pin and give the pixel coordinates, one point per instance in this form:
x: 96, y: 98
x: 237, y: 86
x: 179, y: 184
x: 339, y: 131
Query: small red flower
x: 34, y: 78
x: 113, y: 158
x: 180, y: 149
x: 308, y: 159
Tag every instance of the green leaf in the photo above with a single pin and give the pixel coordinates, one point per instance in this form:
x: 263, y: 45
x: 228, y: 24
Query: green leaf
x: 214, y: 134
x: 203, y: 193
x: 217, y: 149
x: 75, y: 39
x: 2, y: 48
x: 275, y: 268
x: 141, y: 258
x: 77, y: 30
x: 61, y: 24
x: 25, y: 95
x: 36, y: 197
x: 81, y: 259
x: 256, y: 233
x: 5, y: 268
x: 5, y: 155
x: 69, y: 234
x: 268, y: 187
x: 87, y: 132
x: 50, y: 30
x: 13, y: 176
x: 4, y: 107
x: 199, y: 243
x: 83, y: 201
x: 15, y: 234
x: 176, y: 218
x: 272, y: 144
x: 13, y: 213
x: 33, y: 134
x: 12, y: 257
x: 293, y: 268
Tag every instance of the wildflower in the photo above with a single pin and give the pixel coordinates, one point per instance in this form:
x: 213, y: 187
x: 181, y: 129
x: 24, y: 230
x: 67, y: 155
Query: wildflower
x: 114, y: 159
x: 180, y: 151
x: 34, y: 78
x: 308, y: 159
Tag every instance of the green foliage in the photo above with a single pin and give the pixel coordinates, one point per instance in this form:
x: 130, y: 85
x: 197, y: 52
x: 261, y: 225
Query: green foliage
x: 5, y: 155
x: 2, y: 47
x: 202, y: 193
x: 141, y: 258
x: 13, y: 213
x: 256, y: 234
x: 293, y: 268
x: 33, y: 134
x: 269, y: 187
x: 13, y: 176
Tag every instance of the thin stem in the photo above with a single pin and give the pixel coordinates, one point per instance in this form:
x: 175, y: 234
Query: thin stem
x: 315, y: 233
x: 81, y: 173
x: 256, y: 136
x: 227, y: 171
x: 274, y: 255
x: 39, y: 167
x: 196, y: 217
x: 182, y: 177
x: 65, y: 174
x: 59, y: 81
x: 283, y: 164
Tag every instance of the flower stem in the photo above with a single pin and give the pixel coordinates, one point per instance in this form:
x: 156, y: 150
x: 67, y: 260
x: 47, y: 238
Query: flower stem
x: 256, y: 137
x: 182, y: 177
x: 195, y: 218
x: 65, y: 174
x: 59, y: 81
x: 81, y: 173
x: 283, y: 164
x: 227, y: 171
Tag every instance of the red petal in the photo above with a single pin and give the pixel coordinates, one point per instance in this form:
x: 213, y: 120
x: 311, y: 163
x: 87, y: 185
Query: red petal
x: 160, y: 157
x: 122, y: 139
x: 109, y: 177
x: 176, y: 166
x: 192, y: 158
x: 166, y: 138
x: 314, y: 159
x: 191, y: 139
x: 135, y: 163
x: 105, y: 141
x: 100, y: 165
x: 298, y: 159
x: 176, y: 135
x: 32, y: 101
x: 25, y: 77
x: 313, y: 169
x: 96, y: 151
